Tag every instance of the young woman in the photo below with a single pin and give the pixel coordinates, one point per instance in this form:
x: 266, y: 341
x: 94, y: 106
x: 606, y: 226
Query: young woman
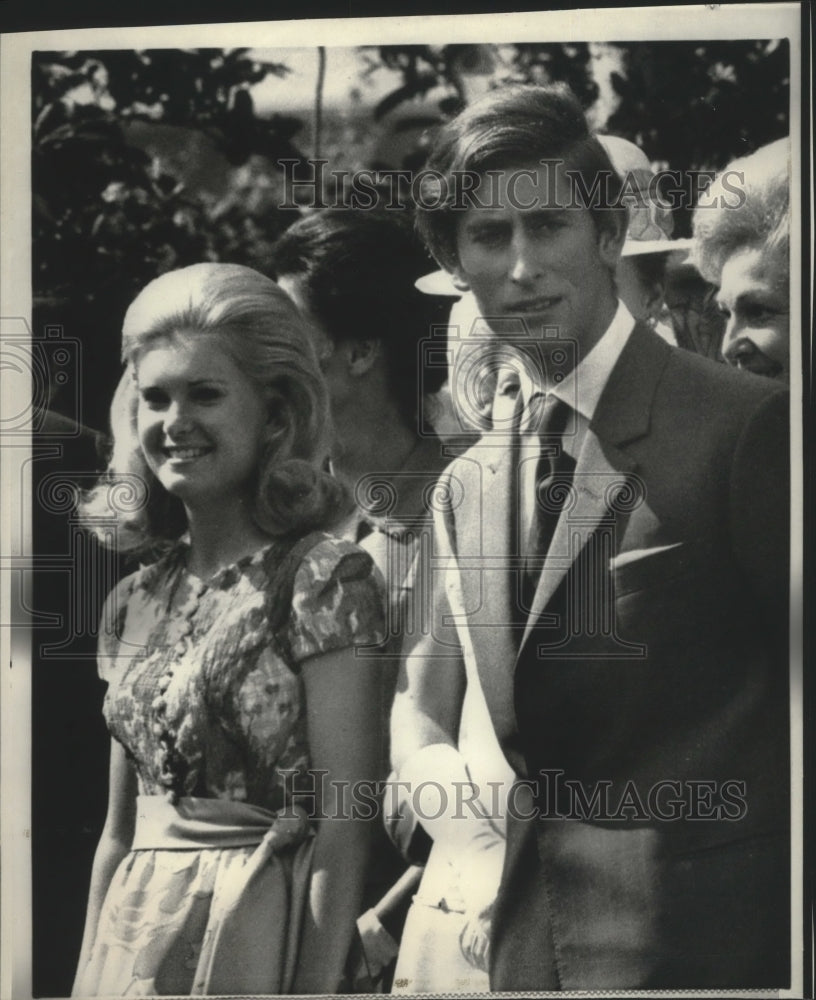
x: 230, y: 862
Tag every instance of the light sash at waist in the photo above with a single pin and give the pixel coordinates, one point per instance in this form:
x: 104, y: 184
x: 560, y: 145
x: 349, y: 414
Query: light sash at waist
x: 192, y: 823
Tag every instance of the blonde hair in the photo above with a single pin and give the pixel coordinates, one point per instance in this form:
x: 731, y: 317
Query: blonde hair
x: 260, y: 329
x: 747, y: 206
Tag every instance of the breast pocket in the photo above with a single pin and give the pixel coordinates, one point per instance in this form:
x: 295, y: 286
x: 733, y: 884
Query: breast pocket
x: 648, y: 568
x: 668, y: 595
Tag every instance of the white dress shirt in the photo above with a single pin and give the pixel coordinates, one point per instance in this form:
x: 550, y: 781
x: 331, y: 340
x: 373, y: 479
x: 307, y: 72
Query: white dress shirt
x: 580, y: 389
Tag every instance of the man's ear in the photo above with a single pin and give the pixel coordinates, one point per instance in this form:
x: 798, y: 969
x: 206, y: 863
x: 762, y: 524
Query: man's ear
x: 458, y: 279
x: 362, y: 355
x: 610, y: 242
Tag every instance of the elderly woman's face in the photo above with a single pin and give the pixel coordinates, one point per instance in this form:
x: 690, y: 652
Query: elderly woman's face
x: 754, y: 298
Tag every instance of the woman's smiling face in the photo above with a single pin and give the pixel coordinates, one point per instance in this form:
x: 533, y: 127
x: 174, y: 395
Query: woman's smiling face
x: 202, y: 422
x: 754, y: 298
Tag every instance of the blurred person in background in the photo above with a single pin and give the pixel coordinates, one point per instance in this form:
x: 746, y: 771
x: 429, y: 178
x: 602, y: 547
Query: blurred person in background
x: 642, y: 271
x: 742, y: 245
x: 352, y: 276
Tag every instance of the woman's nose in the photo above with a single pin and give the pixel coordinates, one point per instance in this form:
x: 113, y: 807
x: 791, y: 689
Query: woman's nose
x: 731, y: 340
x: 176, y: 418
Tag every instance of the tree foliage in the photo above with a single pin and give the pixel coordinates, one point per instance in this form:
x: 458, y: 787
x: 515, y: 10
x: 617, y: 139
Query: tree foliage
x: 108, y: 216
x: 697, y: 105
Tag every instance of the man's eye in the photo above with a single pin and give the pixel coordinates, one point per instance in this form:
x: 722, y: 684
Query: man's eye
x: 487, y: 237
x: 547, y: 223
x: 206, y: 394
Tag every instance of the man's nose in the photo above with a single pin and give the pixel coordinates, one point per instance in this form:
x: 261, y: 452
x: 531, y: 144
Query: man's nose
x: 525, y: 265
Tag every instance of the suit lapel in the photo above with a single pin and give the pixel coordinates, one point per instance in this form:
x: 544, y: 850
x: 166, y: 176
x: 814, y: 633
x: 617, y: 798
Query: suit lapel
x: 486, y: 535
x: 603, y: 466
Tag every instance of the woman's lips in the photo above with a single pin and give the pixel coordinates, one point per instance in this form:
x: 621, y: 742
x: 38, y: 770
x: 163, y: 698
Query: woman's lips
x: 759, y: 364
x: 750, y: 358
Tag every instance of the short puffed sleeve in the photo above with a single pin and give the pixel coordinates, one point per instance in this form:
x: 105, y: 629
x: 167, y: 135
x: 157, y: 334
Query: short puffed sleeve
x: 338, y: 600
x: 112, y: 625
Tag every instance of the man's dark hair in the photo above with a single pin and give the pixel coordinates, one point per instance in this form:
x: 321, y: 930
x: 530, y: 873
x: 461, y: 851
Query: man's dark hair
x: 515, y: 126
x: 358, y: 271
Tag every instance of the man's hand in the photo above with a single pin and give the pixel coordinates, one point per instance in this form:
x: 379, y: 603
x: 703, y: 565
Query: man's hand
x: 474, y: 939
x: 480, y: 873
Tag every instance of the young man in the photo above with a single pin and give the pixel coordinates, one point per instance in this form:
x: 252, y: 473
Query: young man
x: 613, y: 573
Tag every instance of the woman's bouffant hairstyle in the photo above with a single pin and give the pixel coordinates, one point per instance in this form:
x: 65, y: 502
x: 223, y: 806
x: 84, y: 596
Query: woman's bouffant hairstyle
x: 358, y: 270
x: 515, y: 126
x: 262, y: 332
x: 747, y: 206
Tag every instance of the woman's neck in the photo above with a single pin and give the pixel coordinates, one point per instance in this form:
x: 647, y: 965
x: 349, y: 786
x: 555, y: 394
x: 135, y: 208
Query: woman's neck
x: 220, y: 536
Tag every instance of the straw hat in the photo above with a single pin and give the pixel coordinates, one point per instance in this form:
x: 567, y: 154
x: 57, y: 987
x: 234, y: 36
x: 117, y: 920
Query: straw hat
x: 650, y: 223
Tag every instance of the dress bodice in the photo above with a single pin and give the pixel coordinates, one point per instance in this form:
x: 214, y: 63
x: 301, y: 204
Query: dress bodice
x: 205, y: 691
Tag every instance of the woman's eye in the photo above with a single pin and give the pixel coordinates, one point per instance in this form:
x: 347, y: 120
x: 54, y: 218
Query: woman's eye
x: 762, y: 314
x: 155, y: 399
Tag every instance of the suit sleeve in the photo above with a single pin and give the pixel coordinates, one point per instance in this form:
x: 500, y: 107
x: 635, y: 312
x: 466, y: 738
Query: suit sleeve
x: 760, y: 505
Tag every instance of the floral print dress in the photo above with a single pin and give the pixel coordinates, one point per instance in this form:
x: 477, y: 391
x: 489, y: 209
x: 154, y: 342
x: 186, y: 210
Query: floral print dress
x: 205, y: 695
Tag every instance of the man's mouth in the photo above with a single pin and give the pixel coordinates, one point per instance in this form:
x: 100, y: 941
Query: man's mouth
x: 540, y: 304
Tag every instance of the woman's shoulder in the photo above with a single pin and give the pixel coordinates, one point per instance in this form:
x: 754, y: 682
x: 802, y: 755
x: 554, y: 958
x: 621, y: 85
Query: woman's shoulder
x: 143, y: 585
x: 329, y: 558
x: 338, y: 598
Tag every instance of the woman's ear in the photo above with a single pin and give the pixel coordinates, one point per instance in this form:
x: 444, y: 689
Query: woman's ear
x: 275, y: 416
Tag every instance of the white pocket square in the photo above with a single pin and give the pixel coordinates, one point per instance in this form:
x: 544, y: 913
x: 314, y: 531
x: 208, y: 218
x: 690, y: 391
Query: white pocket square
x: 624, y: 558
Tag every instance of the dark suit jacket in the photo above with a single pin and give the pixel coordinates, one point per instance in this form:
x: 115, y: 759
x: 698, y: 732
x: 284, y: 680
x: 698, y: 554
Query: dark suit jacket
x: 650, y: 672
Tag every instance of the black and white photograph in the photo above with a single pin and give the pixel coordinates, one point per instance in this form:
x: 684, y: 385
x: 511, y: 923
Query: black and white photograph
x: 403, y: 505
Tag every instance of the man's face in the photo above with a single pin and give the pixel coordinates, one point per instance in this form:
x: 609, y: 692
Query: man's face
x: 753, y: 297
x: 546, y: 264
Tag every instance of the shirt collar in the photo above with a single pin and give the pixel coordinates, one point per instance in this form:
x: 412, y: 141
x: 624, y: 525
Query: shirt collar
x: 582, y: 387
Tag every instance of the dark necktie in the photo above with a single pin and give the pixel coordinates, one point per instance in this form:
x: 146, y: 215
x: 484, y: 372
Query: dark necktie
x: 549, y: 418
